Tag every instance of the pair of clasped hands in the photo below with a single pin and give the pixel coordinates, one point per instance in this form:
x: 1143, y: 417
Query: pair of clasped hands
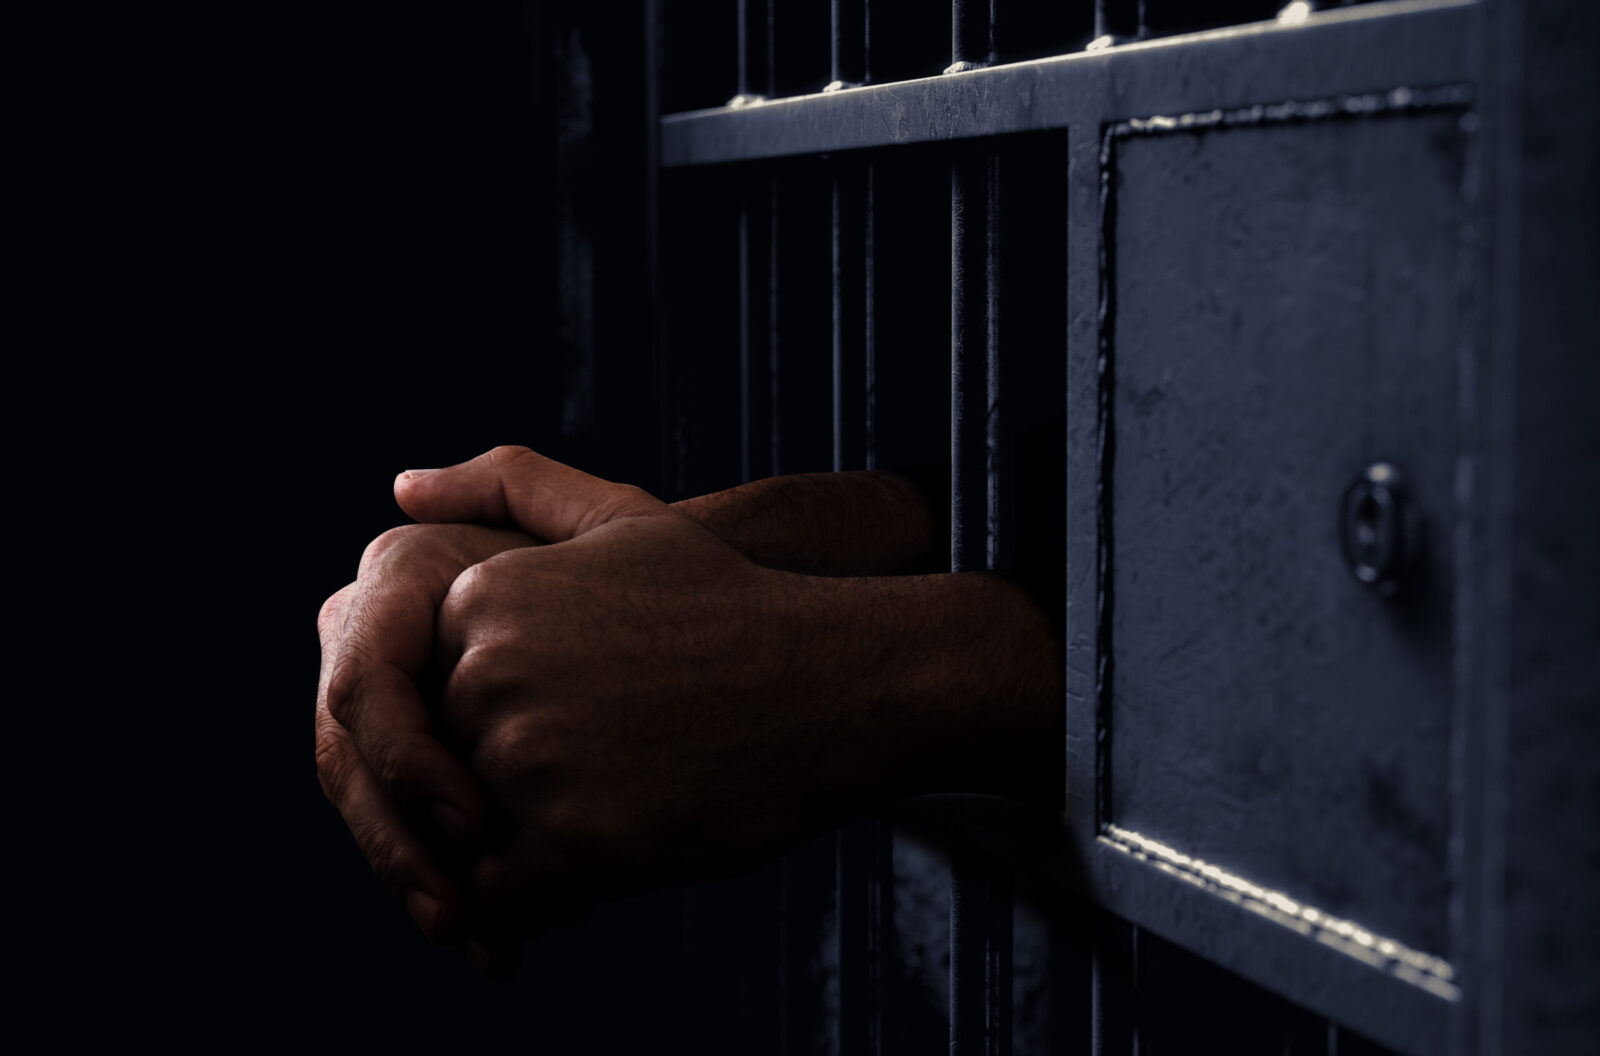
x: 554, y: 689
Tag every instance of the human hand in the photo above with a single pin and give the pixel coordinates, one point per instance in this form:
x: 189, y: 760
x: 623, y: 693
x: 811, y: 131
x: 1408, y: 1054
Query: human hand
x: 404, y: 796
x: 646, y: 706
x: 853, y: 523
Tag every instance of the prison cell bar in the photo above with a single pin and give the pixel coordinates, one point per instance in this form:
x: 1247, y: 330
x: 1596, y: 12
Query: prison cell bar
x: 859, y: 872
x: 980, y: 900
x: 971, y: 34
x: 852, y: 266
x: 758, y: 220
x: 1421, y: 42
x: 815, y: 124
x: 755, y: 50
x: 1118, y: 19
x: 980, y: 887
x: 848, y: 40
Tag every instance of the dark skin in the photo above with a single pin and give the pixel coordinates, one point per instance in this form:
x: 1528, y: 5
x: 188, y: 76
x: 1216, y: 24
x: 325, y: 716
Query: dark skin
x: 657, y: 694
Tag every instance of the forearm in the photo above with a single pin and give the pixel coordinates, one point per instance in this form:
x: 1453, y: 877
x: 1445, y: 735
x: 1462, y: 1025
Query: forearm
x: 860, y: 523
x: 956, y: 684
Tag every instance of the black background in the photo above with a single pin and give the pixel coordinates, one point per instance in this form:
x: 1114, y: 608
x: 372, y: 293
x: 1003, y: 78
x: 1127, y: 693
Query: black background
x: 330, y: 238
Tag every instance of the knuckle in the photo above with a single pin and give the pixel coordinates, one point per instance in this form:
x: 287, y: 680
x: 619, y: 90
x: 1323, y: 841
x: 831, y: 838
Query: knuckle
x: 618, y: 502
x: 344, y: 686
x: 509, y: 453
x: 475, y: 689
x: 631, y: 495
x: 479, y: 672
x: 623, y: 499
x: 468, y: 596
x: 390, y: 542
x: 517, y: 749
x: 380, y: 546
x: 511, y: 750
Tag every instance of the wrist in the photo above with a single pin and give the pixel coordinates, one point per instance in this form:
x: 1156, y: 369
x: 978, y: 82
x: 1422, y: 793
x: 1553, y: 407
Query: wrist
x: 935, y: 683
x: 859, y: 523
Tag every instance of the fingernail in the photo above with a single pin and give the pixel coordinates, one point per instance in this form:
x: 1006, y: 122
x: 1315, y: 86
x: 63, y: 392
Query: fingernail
x: 408, y: 474
x: 424, y: 909
x: 450, y: 821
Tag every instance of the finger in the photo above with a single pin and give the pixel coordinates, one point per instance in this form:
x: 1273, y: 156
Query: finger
x: 390, y: 847
x: 513, y: 485
x: 378, y: 655
x: 389, y: 725
x: 330, y: 622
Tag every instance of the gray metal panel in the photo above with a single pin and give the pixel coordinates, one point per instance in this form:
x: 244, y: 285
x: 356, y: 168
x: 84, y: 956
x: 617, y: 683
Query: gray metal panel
x: 1356, y: 49
x: 1254, y: 354
x: 1260, y: 946
x: 1182, y: 86
x: 1278, y: 326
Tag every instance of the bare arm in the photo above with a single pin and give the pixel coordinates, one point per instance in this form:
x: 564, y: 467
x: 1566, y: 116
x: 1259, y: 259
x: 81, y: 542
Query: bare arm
x: 859, y: 523
x: 643, y: 703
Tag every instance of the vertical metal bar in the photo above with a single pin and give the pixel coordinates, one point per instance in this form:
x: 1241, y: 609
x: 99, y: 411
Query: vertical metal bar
x: 968, y: 358
x: 744, y: 47
x: 971, y: 34
x: 745, y: 336
x: 849, y: 319
x: 993, y: 873
x: 862, y: 875
x: 1114, y: 987
x: 859, y: 876
x: 755, y: 397
x: 772, y: 48
x: 754, y: 49
x: 870, y: 323
x: 848, y: 65
x: 967, y: 960
x: 773, y: 350
x: 653, y: 30
x: 980, y: 895
x: 1119, y: 19
x: 997, y: 466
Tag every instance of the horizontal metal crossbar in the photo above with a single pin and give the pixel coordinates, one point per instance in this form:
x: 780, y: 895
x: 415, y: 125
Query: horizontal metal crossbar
x: 1347, y: 50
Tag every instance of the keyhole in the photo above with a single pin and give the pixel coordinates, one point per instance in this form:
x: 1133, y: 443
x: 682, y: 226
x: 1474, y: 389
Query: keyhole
x: 1367, y: 514
x: 1378, y: 528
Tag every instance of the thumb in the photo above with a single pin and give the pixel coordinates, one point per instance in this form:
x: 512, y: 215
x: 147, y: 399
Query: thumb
x: 513, y: 485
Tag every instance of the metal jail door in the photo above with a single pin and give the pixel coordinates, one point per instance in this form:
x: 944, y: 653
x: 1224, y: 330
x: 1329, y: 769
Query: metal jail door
x: 1265, y: 326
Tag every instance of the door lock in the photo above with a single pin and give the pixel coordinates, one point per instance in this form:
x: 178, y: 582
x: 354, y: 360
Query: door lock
x: 1379, y: 528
